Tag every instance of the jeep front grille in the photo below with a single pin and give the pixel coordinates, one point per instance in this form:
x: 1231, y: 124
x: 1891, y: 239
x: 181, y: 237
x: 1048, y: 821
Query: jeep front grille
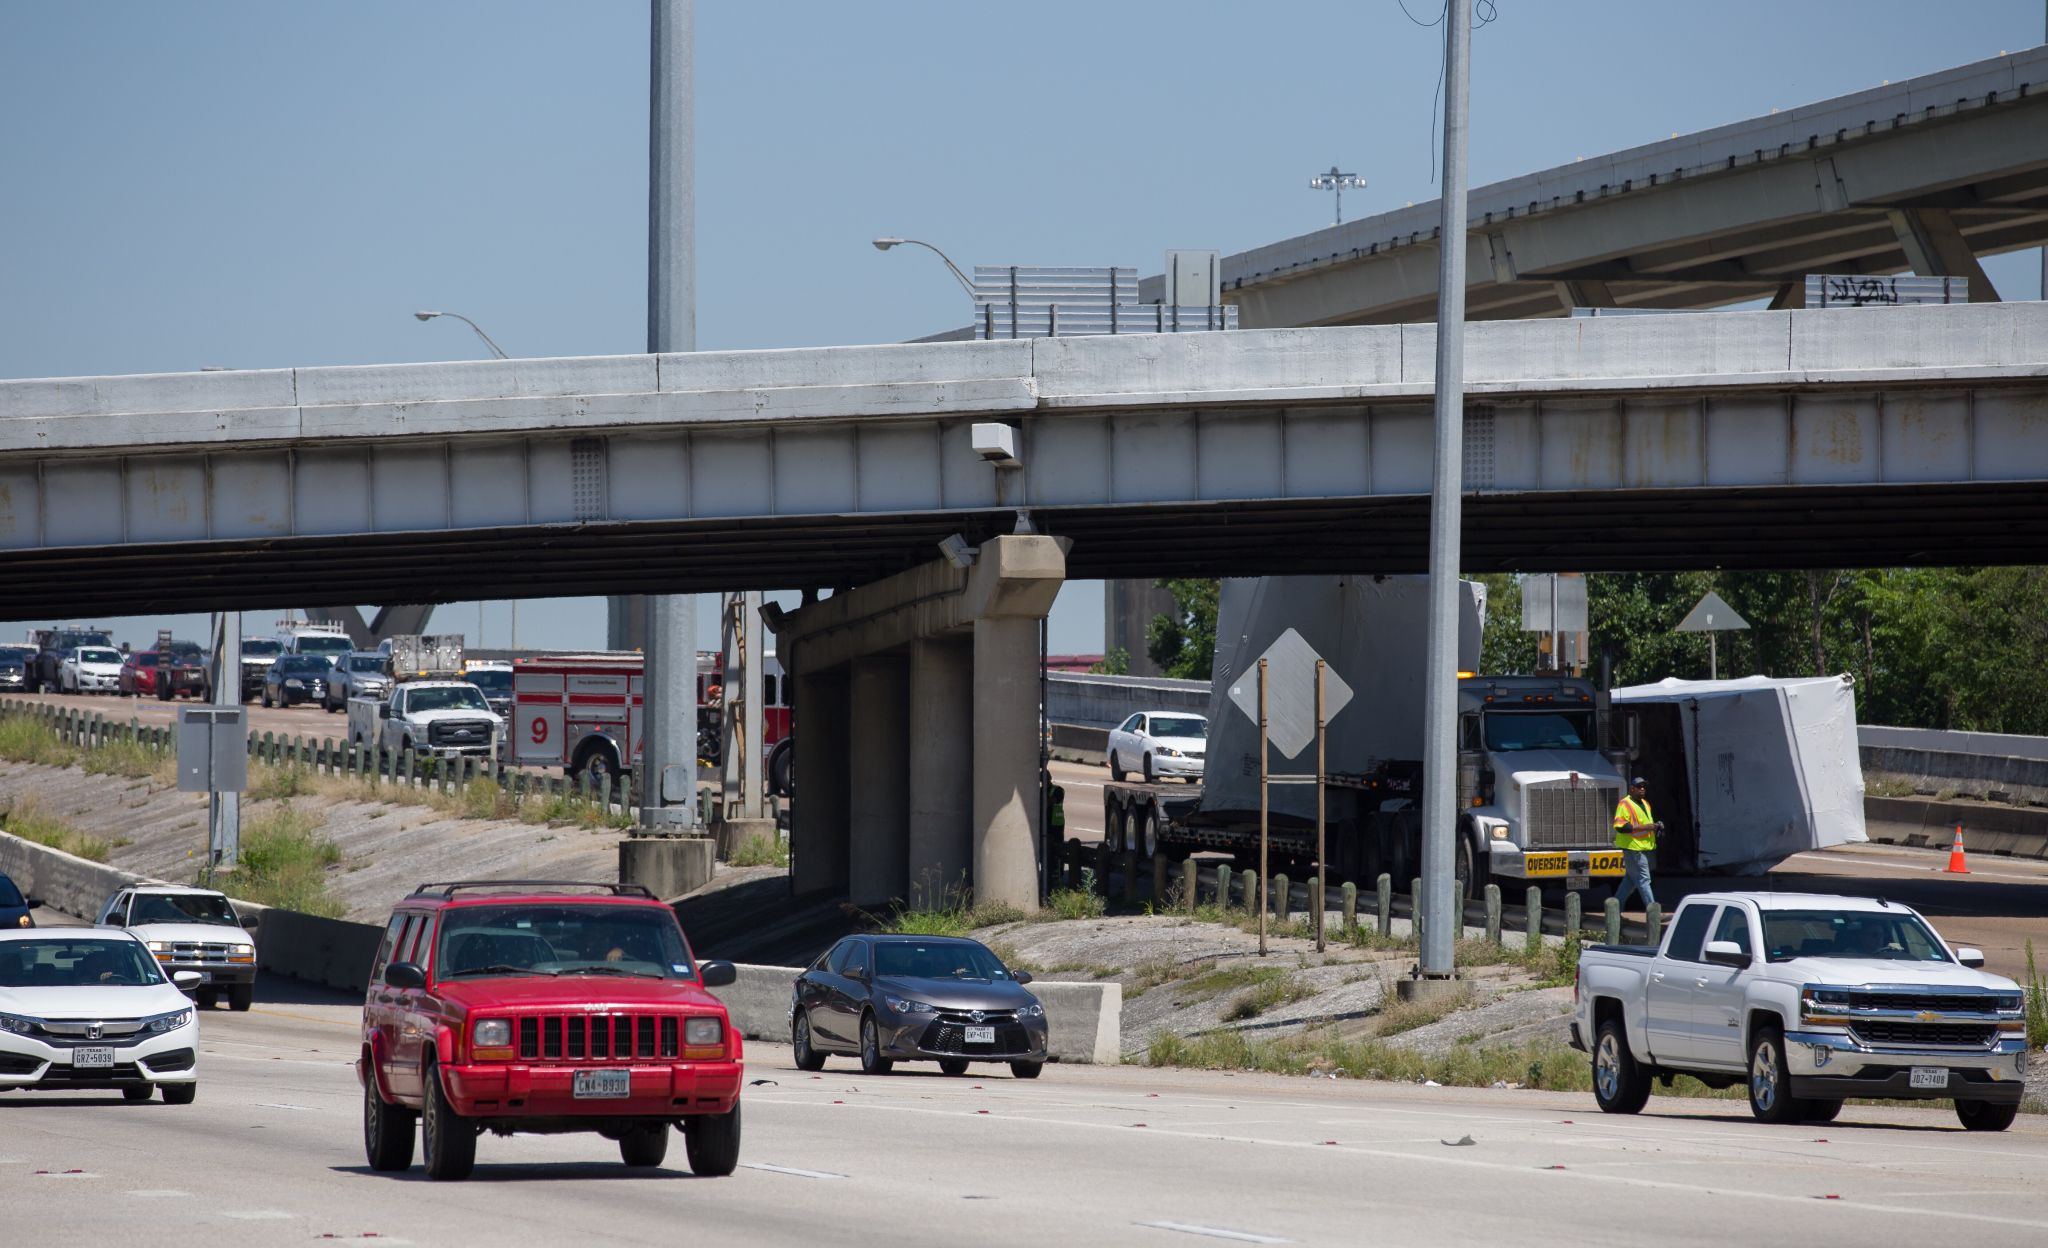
x: 598, y: 1037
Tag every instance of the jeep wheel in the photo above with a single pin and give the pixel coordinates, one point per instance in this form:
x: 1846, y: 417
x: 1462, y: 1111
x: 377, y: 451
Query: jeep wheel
x: 644, y: 1146
x: 387, y: 1130
x: 713, y: 1143
x: 450, y: 1139
x: 1620, y: 1083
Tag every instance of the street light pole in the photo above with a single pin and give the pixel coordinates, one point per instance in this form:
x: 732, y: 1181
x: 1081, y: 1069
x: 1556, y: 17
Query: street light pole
x: 1442, y: 921
x: 884, y: 244
x: 495, y: 349
x: 1335, y: 181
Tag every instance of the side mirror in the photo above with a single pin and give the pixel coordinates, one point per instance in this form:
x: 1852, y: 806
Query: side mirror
x: 383, y: 710
x: 1726, y: 953
x: 34, y: 903
x: 187, y: 980
x: 1970, y: 957
x: 405, y: 975
x: 1022, y: 977
x: 717, y: 974
x: 251, y: 921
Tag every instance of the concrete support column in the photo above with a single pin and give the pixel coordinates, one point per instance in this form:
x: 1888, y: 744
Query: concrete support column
x: 1128, y: 608
x: 941, y: 767
x: 1006, y: 681
x: 818, y: 828
x: 878, y: 767
x: 1936, y: 248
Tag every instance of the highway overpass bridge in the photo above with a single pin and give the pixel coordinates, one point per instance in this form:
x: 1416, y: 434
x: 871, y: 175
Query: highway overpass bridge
x: 1751, y: 439
x: 1924, y: 175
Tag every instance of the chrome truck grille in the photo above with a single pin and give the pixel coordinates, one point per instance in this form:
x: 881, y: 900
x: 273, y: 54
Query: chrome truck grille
x: 1560, y: 816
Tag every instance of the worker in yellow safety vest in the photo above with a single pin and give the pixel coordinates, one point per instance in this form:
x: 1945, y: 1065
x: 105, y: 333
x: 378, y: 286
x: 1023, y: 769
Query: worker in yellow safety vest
x: 1635, y: 835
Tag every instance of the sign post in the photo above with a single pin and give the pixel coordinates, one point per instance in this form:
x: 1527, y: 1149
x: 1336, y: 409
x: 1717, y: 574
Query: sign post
x: 1265, y: 778
x: 1712, y: 616
x: 1322, y: 773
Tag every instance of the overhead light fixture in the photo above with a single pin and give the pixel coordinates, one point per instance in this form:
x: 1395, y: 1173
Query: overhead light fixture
x: 958, y: 552
x: 995, y: 442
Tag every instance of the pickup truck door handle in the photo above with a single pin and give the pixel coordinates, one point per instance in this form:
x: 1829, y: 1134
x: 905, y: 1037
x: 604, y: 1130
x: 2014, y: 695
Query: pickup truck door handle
x: 1657, y: 976
x: 1700, y: 982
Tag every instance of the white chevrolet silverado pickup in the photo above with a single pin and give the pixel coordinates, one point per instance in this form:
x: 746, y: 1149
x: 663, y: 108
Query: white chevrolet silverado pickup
x: 1808, y: 999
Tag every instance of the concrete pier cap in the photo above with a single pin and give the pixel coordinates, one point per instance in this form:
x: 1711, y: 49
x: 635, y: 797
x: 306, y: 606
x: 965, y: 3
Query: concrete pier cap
x: 917, y: 697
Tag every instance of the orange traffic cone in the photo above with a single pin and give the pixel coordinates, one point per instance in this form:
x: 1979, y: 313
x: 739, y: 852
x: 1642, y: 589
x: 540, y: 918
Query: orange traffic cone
x: 1956, y: 863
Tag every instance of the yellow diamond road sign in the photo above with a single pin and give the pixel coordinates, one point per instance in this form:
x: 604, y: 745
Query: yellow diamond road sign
x: 1290, y: 693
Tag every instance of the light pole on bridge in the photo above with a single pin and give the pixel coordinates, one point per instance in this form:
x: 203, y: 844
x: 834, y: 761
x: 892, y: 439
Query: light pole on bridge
x: 884, y: 244
x: 495, y: 349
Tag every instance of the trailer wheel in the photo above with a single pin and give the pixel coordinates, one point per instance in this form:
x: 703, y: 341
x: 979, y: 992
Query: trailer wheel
x: 782, y: 767
x: 1113, y: 830
x: 1148, y: 825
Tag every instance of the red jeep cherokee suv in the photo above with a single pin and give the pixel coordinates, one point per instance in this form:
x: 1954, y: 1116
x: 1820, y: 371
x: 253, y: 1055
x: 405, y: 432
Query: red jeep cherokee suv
x: 545, y: 1007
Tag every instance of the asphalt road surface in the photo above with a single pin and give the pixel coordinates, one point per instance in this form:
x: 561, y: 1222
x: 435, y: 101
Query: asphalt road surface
x: 271, y: 1153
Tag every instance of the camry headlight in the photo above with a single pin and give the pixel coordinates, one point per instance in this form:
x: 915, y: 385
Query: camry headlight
x: 1169, y: 751
x: 170, y: 1022
x: 1034, y: 1010
x: 494, y: 1033
x: 17, y: 1024
x: 904, y: 1005
x: 701, y: 1033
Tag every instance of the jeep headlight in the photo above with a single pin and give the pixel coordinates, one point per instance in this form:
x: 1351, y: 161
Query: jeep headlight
x: 702, y: 1033
x: 493, y: 1033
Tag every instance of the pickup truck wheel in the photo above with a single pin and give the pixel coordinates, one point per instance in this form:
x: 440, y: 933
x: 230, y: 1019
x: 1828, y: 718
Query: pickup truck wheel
x: 1621, y: 1084
x: 644, y: 1146
x: 713, y: 1143
x: 1770, y: 1081
x: 449, y: 1138
x: 241, y: 997
x: 1983, y: 1116
x: 807, y: 1058
x: 1822, y: 1111
x: 387, y: 1130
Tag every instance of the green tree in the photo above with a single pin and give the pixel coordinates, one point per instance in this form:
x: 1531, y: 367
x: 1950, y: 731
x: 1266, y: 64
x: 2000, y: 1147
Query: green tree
x: 1184, y: 644
x: 1116, y: 663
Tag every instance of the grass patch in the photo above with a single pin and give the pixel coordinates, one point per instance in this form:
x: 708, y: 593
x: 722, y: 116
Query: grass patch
x: 1397, y: 1016
x: 1156, y: 972
x: 128, y: 759
x: 284, y: 862
x: 30, y: 822
x: 1887, y: 786
x: 23, y: 740
x: 953, y: 920
x: 2037, y: 1004
x: 1073, y: 903
x: 760, y: 851
x: 1269, y: 993
x: 1545, y: 1064
x: 276, y: 782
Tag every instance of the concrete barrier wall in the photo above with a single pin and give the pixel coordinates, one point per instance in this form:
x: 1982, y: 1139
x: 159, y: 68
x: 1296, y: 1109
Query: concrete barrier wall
x: 2019, y: 831
x: 60, y: 880
x: 1084, y: 1021
x: 1995, y: 744
x: 1972, y: 775
x: 1106, y: 701
x: 332, y: 952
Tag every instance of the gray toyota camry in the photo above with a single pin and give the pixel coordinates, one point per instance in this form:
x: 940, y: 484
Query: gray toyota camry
x: 889, y: 999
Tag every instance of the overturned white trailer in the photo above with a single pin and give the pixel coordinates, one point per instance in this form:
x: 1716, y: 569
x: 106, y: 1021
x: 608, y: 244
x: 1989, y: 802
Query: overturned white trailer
x: 1746, y: 773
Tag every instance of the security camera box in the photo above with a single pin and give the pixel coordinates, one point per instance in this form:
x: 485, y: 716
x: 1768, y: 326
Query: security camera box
x: 1374, y: 633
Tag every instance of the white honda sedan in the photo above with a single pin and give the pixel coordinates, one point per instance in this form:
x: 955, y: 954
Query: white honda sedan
x: 1159, y: 743
x: 88, y: 1008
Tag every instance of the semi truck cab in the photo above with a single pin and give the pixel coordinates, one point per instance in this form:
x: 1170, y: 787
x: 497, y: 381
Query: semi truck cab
x: 1537, y: 792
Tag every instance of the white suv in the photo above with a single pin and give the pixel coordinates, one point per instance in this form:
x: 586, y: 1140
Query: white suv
x: 85, y: 1008
x: 190, y: 929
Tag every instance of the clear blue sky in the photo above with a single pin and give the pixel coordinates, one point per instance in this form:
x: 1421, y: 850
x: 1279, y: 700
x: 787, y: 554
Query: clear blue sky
x: 261, y: 184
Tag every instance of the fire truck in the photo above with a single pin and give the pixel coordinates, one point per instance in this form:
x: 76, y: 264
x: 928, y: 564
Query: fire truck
x: 582, y: 712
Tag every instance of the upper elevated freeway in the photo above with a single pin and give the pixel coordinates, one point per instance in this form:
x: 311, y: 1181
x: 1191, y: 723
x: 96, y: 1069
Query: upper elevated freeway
x: 1924, y: 174
x: 1808, y: 438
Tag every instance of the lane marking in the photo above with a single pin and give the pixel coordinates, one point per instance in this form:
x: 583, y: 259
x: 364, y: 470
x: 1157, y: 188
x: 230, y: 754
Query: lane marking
x: 801, y: 1174
x: 65, y: 1174
x: 1427, y: 1159
x: 282, y: 1105
x: 256, y: 1215
x: 155, y: 1193
x: 1215, y: 1232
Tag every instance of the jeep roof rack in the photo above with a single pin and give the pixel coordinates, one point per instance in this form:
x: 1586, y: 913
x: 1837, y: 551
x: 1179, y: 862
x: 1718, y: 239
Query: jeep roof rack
x: 448, y: 888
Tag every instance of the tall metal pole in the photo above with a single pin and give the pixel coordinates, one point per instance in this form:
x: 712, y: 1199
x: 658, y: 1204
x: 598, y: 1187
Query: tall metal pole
x: 1439, y: 814
x: 225, y: 809
x: 1322, y: 895
x: 668, y: 751
x: 1265, y: 868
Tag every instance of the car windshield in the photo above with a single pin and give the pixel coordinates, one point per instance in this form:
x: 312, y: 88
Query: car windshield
x: 260, y: 648
x: 302, y: 663
x: 937, y: 959
x: 10, y: 896
x: 584, y: 938
x: 328, y: 646
x: 1887, y: 935
x: 145, y: 658
x: 491, y: 681
x: 99, y: 656
x: 182, y: 908
x: 1180, y: 726
x: 76, y: 962
x: 370, y: 663
x: 1538, y: 730
x: 446, y: 698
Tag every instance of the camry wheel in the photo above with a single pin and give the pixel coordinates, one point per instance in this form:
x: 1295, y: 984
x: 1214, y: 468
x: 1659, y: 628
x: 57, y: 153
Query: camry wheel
x: 807, y: 1058
x: 1116, y: 766
x: 1149, y: 778
x: 449, y: 1138
x: 387, y: 1130
x: 952, y: 1065
x: 1026, y: 1070
x: 871, y: 1060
